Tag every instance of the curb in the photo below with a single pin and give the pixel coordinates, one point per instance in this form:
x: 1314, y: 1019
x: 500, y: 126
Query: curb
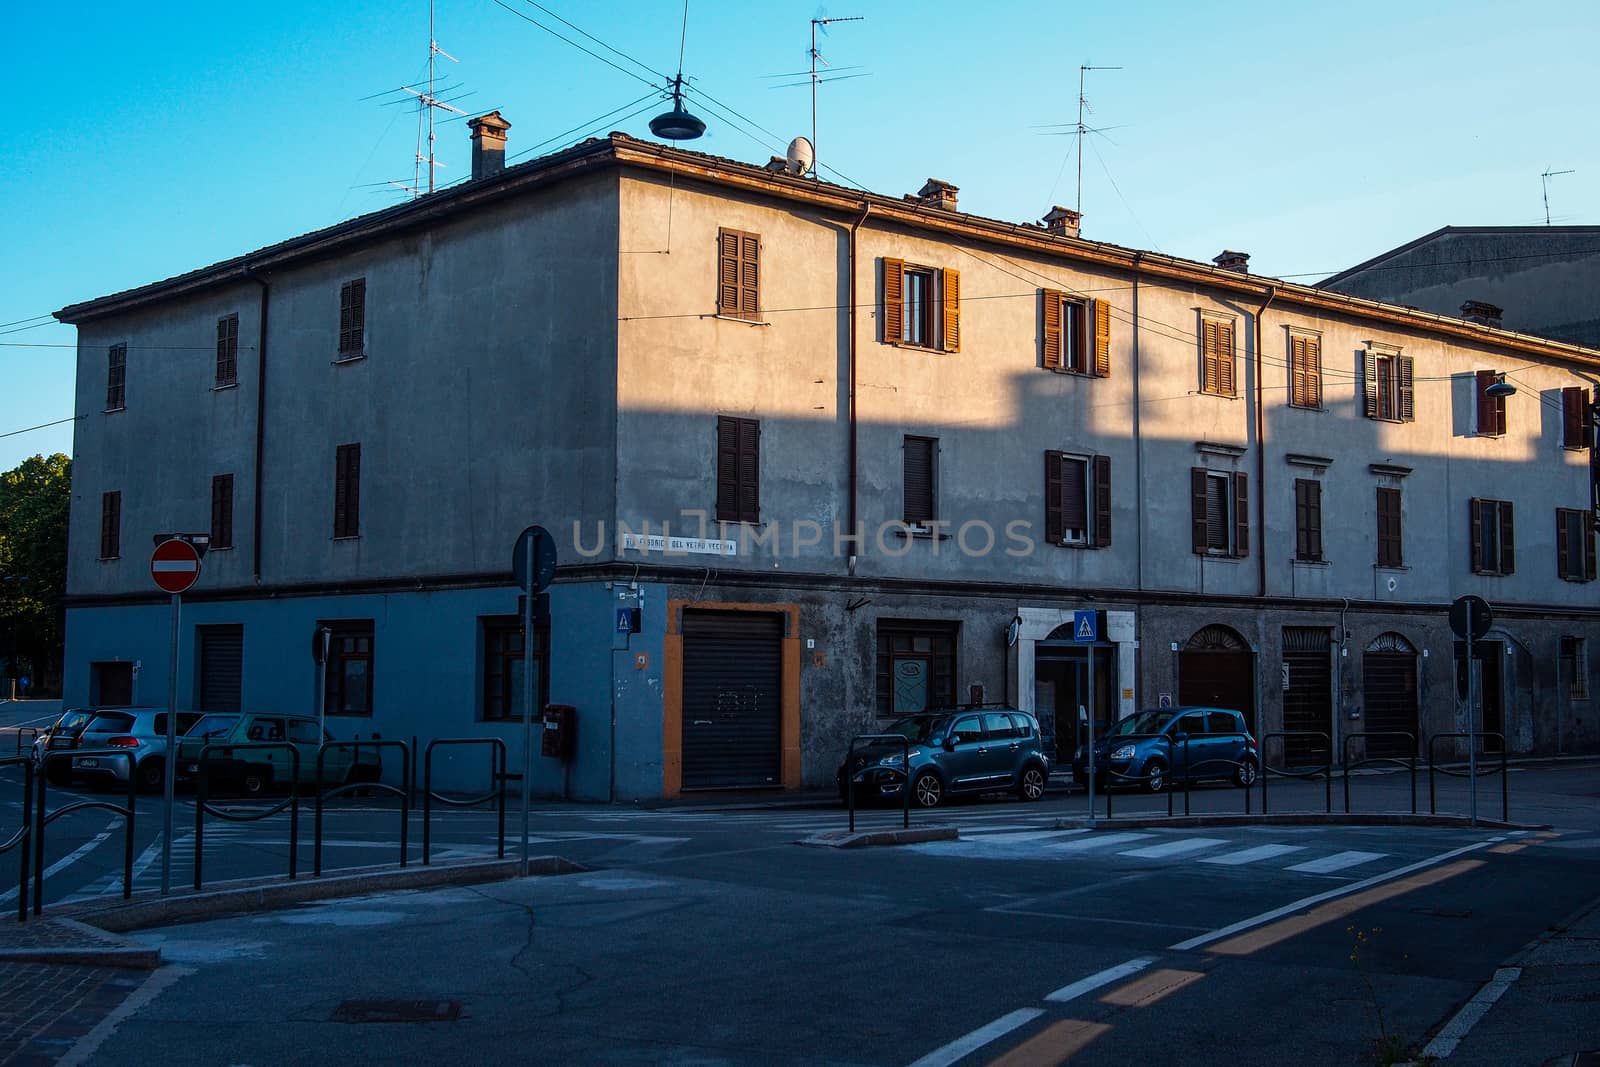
x: 1296, y: 818
x: 95, y: 948
x: 864, y: 838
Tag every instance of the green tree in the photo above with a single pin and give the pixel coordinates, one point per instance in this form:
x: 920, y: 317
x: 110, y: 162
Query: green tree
x: 34, y: 501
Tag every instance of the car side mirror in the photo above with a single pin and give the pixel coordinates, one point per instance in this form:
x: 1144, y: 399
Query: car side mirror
x: 950, y: 743
x: 1180, y: 736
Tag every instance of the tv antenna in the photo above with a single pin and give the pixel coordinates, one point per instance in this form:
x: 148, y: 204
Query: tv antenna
x: 1083, y: 105
x: 1546, y: 176
x: 427, y: 103
x: 816, y: 57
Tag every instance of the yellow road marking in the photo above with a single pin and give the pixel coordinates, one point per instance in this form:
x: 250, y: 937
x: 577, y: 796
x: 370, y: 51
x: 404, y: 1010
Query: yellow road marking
x: 1508, y: 848
x: 1284, y: 929
x: 1145, y: 991
x: 1052, y: 1046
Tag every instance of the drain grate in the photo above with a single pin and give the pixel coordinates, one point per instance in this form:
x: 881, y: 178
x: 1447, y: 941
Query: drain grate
x: 397, y: 1011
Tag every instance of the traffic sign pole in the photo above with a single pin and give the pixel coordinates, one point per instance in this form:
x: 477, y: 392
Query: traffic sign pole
x: 1472, y: 724
x: 527, y: 701
x: 169, y: 785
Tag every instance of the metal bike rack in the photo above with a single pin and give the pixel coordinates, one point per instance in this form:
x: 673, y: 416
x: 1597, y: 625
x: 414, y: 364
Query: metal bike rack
x: 497, y: 773
x: 203, y: 805
x: 402, y: 791
x: 1505, y: 787
x: 1410, y: 763
x: 44, y: 817
x: 21, y: 837
x: 33, y: 735
x: 905, y: 765
x: 1326, y: 770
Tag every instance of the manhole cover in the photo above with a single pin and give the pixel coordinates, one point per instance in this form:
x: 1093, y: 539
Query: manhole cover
x: 397, y: 1011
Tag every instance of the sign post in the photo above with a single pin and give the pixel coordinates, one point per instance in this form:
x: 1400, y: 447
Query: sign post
x: 1084, y: 630
x: 174, y: 566
x: 321, y: 638
x: 533, y: 564
x: 1470, y: 619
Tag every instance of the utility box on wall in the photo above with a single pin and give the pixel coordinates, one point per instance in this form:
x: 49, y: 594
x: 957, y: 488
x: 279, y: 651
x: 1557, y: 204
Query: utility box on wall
x: 560, y: 731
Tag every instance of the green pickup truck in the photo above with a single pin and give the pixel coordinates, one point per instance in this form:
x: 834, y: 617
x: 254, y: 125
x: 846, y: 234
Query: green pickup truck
x: 254, y: 771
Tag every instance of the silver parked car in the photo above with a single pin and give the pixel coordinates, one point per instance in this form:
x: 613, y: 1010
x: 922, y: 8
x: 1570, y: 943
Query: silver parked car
x: 142, y: 732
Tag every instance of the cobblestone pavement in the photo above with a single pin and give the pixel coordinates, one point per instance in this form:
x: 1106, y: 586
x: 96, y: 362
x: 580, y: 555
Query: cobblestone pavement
x: 46, y: 1008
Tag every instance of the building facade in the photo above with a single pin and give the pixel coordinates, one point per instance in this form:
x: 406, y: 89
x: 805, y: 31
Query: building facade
x: 814, y: 458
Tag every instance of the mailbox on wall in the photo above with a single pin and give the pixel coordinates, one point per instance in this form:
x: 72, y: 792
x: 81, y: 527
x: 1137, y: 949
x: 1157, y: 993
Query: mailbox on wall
x: 560, y: 730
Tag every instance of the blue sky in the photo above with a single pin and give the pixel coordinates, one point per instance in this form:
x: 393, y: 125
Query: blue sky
x: 147, y: 140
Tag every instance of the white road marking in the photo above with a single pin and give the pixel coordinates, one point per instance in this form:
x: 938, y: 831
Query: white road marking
x: 1471, y: 1012
x: 968, y: 1043
x: 987, y: 837
x: 68, y: 860
x: 1175, y: 848
x: 153, y: 987
x: 1336, y: 862
x: 1095, y: 981
x: 1253, y: 855
x: 1084, y: 844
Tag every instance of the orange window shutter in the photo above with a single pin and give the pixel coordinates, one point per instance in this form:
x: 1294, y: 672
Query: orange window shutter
x: 750, y: 275
x: 1297, y: 371
x: 1052, y: 328
x: 1313, y: 373
x: 1102, y: 339
x: 952, y: 310
x: 727, y: 272
x: 1225, y: 383
x: 894, y: 280
x: 1208, y: 357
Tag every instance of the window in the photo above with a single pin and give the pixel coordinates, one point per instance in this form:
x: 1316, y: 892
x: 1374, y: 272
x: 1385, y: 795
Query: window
x: 1493, y: 550
x: 1391, y: 547
x: 738, y: 274
x: 997, y: 727
x: 349, y: 668
x: 1305, y: 371
x: 110, y: 525
x: 503, y: 682
x: 1216, y: 357
x: 1577, y: 424
x: 1575, y: 544
x: 304, y: 732
x: 347, y: 491
x: 921, y: 306
x: 1077, y: 334
x: 1308, y: 520
x: 116, y: 377
x: 1491, y: 409
x: 916, y: 666
x: 353, y: 319
x: 921, y: 478
x: 1575, y: 667
x: 227, y: 351
x: 1388, y: 393
x: 1220, y: 512
x: 1077, y: 500
x: 738, y: 469
x: 222, y: 511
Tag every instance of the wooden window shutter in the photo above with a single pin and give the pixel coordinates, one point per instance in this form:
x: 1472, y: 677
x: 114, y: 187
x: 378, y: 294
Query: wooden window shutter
x: 1102, y: 502
x: 1225, y: 376
x: 1574, y: 423
x: 1404, y: 379
x: 749, y: 275
x: 1508, y: 551
x: 749, y: 470
x: 951, y: 282
x: 1208, y: 356
x: 1309, y: 492
x: 1390, y: 542
x: 1313, y: 372
x: 727, y: 469
x: 352, y: 316
x: 1102, y: 339
x: 1486, y: 419
x: 347, y: 491
x: 727, y: 272
x: 1054, y: 521
x: 1052, y: 327
x: 1241, y: 514
x: 1564, y: 544
x: 1475, y: 510
x: 1298, y: 390
x: 1369, y: 387
x: 918, y: 478
x: 222, y: 511
x: 1588, y: 547
x: 1074, y: 495
x: 110, y: 525
x: 1197, y: 507
x: 894, y: 312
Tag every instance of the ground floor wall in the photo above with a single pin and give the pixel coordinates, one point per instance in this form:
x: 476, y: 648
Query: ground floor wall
x: 683, y: 682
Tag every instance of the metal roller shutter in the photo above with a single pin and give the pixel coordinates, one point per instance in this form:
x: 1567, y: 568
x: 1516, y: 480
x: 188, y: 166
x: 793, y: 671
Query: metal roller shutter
x: 1219, y: 680
x: 1308, y: 701
x: 732, y: 690
x: 1389, y: 690
x: 221, y: 668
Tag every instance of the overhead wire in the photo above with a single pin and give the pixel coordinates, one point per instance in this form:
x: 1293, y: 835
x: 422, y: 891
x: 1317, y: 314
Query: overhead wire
x: 575, y: 44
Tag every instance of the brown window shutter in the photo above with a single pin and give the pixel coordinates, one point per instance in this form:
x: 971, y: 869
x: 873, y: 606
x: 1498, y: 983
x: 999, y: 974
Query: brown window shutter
x: 1588, y: 547
x: 1369, y: 378
x: 1564, y: 544
x: 1102, y: 339
x: 749, y: 470
x: 1052, y: 327
x: 1241, y: 514
x: 1225, y: 377
x: 1209, y: 348
x: 1572, y: 418
x: 222, y: 511
x: 1313, y: 372
x: 727, y: 469
x: 951, y: 280
x: 1486, y: 419
x: 727, y: 272
x: 1391, y: 544
x: 1102, y: 501
x: 1475, y: 510
x: 918, y: 478
x: 1508, y: 552
x: 1074, y: 495
x: 1404, y: 379
x: 1197, y: 507
x: 341, y: 492
x: 1314, y: 519
x: 1297, y: 372
x: 1054, y: 522
x: 894, y: 280
x: 749, y: 276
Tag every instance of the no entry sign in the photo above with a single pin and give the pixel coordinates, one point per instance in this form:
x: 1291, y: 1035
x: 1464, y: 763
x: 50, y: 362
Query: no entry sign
x: 175, y: 565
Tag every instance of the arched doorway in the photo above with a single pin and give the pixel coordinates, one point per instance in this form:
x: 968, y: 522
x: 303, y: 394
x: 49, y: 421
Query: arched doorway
x: 1389, y: 692
x: 1217, y: 668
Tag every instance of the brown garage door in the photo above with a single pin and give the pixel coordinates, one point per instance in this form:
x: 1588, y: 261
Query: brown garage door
x: 1217, y: 669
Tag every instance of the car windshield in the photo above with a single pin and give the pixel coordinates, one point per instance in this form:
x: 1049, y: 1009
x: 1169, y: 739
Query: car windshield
x: 212, y: 726
x: 73, y: 721
x: 110, y: 722
x: 1149, y: 721
x: 917, y: 727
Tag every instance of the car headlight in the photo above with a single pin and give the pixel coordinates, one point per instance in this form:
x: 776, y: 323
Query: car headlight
x: 897, y: 760
x: 1125, y: 752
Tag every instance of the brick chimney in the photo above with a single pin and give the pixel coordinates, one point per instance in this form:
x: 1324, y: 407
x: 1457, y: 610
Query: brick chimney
x: 1482, y: 313
x: 1228, y: 259
x: 1062, y: 221
x: 488, y: 144
x: 936, y: 193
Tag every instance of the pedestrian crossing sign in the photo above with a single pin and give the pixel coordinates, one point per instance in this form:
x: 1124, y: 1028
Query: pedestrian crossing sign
x: 1083, y: 626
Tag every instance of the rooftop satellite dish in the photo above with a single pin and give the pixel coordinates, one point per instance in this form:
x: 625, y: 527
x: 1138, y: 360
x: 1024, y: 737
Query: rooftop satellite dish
x: 801, y: 156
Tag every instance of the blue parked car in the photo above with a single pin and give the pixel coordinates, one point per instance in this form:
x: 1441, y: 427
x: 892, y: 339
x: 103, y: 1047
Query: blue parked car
x: 986, y: 750
x: 1159, y: 746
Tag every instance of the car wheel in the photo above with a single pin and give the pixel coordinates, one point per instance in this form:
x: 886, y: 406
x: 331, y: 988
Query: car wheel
x: 151, y: 775
x: 927, y: 790
x: 255, y: 781
x: 1244, y: 775
x: 1030, y: 783
x: 1155, y: 773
